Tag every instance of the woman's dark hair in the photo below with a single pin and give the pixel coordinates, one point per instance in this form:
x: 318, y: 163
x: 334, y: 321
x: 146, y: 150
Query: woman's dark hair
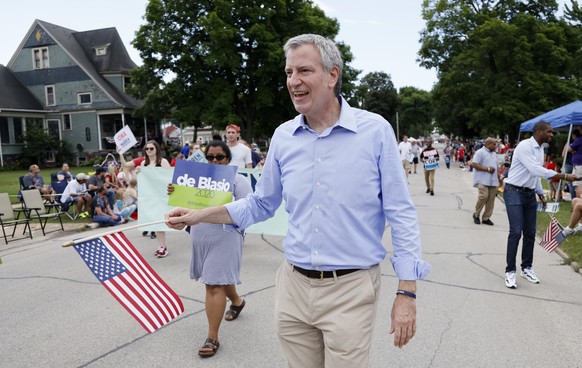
x: 158, y: 153
x: 222, y: 145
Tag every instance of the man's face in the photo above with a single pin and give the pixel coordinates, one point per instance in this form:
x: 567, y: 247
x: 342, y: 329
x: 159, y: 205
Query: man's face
x: 309, y: 86
x: 35, y: 170
x: 65, y: 167
x: 490, y: 145
x: 231, y: 135
x: 546, y: 134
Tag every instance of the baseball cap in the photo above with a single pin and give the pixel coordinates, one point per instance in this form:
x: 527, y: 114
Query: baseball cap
x: 81, y: 176
x: 233, y: 126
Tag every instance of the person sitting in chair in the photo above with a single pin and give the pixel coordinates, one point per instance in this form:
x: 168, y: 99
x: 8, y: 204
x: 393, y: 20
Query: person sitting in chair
x: 76, y: 192
x: 33, y: 180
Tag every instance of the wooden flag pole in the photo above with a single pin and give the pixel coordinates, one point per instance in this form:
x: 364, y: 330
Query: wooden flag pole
x: 116, y: 230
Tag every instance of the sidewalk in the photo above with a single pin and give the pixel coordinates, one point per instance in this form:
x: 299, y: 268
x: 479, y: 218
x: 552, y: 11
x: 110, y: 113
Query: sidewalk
x: 54, y: 313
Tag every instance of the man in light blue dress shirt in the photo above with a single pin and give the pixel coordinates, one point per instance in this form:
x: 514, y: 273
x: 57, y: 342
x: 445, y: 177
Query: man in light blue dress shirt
x: 486, y: 179
x: 519, y: 194
x: 338, y: 202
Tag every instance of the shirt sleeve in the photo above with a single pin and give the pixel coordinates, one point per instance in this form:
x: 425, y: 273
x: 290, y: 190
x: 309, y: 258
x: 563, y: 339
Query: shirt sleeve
x: 401, y: 214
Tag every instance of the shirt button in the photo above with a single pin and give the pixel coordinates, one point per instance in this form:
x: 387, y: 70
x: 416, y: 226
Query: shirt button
x: 317, y: 184
x: 316, y: 230
x: 318, y: 160
x: 317, y: 207
x: 316, y: 253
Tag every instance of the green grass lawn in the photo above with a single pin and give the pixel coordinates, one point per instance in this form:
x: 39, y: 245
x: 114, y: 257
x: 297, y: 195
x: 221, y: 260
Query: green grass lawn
x: 9, y: 184
x: 573, y: 244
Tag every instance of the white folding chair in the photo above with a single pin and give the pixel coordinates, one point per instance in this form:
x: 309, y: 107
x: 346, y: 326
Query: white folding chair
x: 7, y: 219
x: 36, y: 209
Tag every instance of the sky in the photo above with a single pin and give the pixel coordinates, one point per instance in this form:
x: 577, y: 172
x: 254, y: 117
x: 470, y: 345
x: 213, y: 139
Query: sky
x: 382, y: 34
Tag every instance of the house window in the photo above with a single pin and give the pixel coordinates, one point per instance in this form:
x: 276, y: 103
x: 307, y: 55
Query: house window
x: 100, y: 51
x: 4, y: 133
x: 88, y: 134
x: 50, y: 95
x: 40, y: 58
x: 67, y: 122
x: 52, y: 128
x: 126, y: 83
x: 18, y: 136
x: 84, y: 98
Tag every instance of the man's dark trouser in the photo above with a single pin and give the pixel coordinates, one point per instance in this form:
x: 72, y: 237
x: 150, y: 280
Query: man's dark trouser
x: 521, y: 208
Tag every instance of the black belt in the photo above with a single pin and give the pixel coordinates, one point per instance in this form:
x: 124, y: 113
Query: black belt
x: 524, y: 189
x: 313, y: 274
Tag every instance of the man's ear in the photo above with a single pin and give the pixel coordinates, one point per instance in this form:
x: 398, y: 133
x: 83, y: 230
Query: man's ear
x: 333, y: 76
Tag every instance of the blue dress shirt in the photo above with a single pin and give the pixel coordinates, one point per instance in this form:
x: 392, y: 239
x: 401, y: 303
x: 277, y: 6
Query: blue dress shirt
x: 339, y: 188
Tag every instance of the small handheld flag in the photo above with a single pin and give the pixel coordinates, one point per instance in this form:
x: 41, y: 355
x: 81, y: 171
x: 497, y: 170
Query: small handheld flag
x: 553, y: 236
x: 131, y: 280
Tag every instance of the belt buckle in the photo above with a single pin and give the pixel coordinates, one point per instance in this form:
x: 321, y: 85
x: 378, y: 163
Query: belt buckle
x: 321, y: 275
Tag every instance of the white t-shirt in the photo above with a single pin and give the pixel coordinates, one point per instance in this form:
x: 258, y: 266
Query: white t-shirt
x: 241, y: 155
x: 405, y: 149
x: 73, y: 187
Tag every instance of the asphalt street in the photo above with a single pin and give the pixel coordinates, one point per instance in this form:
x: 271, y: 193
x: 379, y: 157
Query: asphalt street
x: 54, y: 313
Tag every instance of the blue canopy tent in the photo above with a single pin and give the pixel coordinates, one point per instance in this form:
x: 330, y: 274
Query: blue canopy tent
x: 561, y: 118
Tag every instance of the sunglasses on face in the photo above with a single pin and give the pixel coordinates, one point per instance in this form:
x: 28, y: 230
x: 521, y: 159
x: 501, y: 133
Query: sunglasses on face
x: 150, y: 148
x: 211, y: 158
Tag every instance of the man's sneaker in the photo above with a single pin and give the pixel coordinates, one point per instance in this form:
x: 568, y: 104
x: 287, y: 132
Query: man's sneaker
x: 160, y: 249
x: 145, y: 233
x: 163, y: 253
x: 153, y: 235
x: 431, y: 192
x: 487, y: 222
x: 529, y: 275
x: 578, y: 229
x: 476, y: 220
x: 510, y: 280
x: 567, y: 231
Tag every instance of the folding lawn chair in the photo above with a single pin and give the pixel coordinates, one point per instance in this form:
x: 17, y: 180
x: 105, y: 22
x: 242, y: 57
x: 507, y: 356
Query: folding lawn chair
x: 7, y: 219
x: 59, y: 187
x: 36, y: 209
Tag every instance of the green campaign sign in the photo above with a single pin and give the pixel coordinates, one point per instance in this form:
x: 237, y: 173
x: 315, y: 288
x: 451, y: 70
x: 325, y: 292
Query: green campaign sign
x: 197, y: 198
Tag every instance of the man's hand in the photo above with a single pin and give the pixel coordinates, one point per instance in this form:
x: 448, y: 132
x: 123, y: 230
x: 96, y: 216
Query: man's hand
x: 179, y: 218
x: 403, y: 318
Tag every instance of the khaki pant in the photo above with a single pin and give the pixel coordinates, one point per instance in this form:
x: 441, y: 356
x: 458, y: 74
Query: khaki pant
x: 485, y: 199
x: 429, y: 179
x: 326, y: 323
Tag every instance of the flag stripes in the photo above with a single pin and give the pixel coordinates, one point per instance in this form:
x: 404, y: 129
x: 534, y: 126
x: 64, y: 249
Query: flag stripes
x: 553, y: 236
x: 131, y: 280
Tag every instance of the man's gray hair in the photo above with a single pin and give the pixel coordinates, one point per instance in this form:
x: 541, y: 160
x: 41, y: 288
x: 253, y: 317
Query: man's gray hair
x: 328, y: 51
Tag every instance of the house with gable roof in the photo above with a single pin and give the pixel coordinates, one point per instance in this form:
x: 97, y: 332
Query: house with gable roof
x: 73, y: 84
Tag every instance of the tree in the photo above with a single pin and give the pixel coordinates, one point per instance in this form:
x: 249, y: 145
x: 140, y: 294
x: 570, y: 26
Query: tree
x: 376, y: 93
x: 415, y: 111
x: 39, y: 145
x: 209, y: 62
x: 499, y: 63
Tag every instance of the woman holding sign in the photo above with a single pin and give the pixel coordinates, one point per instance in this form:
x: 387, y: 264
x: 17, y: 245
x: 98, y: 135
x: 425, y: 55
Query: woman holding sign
x: 153, y: 158
x: 216, y: 257
x: 430, y: 158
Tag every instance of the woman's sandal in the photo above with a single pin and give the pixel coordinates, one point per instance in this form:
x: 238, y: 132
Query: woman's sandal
x: 233, y: 312
x: 209, y: 348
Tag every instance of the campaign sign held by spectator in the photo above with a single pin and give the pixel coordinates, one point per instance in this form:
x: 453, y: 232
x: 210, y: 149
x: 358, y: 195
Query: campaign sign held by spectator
x: 198, y: 185
x: 124, y: 139
x: 197, y: 156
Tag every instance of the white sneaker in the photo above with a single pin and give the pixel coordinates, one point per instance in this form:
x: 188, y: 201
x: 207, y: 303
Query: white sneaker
x: 567, y: 231
x: 159, y: 250
x: 510, y: 280
x: 578, y: 229
x: 529, y: 275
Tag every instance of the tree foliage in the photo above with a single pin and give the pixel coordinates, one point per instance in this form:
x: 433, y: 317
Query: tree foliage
x: 39, y: 145
x: 415, y: 112
x: 209, y: 62
x: 376, y: 93
x: 499, y: 63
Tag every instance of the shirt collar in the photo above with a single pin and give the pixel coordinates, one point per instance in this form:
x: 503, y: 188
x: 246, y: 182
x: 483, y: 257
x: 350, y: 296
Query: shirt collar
x: 347, y: 119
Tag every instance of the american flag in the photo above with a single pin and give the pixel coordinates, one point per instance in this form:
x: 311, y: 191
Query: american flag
x: 127, y: 276
x: 553, y: 236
